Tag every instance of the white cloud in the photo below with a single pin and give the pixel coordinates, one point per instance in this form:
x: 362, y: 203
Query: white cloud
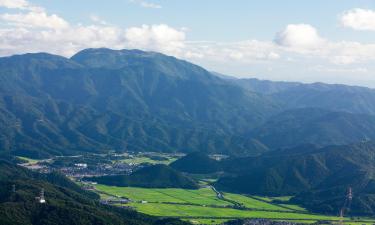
x: 358, y: 19
x: 33, y: 29
x: 246, y: 52
x: 325, y: 69
x: 156, y: 37
x: 35, y: 20
x: 97, y: 19
x: 146, y: 4
x: 299, y: 36
x: 14, y: 4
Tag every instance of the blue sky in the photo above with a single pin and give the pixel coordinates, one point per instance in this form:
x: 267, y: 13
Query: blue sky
x: 308, y: 41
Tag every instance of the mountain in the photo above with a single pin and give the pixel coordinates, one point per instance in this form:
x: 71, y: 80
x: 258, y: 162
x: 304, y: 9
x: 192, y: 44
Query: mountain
x: 314, y: 125
x: 265, y: 86
x: 318, y: 176
x: 196, y: 163
x: 103, y: 99
x: 156, y: 176
x: 65, y: 203
x: 333, y: 97
x: 123, y: 100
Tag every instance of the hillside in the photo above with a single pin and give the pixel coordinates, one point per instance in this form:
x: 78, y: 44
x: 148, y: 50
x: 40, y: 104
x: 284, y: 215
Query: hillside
x: 333, y: 97
x: 65, y: 202
x: 133, y: 100
x: 129, y: 99
x: 196, y: 163
x: 319, y: 176
x: 316, y: 126
x: 156, y: 176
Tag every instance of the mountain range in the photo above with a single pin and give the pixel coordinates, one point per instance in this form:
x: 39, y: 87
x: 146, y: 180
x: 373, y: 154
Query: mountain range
x: 102, y: 99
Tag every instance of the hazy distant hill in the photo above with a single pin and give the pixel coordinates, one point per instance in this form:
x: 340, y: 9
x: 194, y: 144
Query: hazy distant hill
x: 334, y: 97
x: 156, y: 176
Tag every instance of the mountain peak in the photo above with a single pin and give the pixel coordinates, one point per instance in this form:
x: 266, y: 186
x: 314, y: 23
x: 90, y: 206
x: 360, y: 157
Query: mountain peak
x: 41, y: 59
x: 110, y: 58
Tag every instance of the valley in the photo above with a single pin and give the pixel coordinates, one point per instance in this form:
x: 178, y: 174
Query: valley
x: 161, y: 137
x: 198, y: 206
x: 203, y: 207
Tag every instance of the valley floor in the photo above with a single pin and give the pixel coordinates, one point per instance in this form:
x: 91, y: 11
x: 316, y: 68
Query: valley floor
x: 204, y: 207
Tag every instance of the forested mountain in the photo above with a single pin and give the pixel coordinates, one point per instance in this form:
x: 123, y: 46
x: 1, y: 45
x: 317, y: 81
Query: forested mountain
x: 315, y: 125
x: 333, y: 97
x: 196, y: 163
x: 319, y: 176
x: 65, y: 204
x: 121, y: 100
x: 104, y: 99
x: 155, y: 176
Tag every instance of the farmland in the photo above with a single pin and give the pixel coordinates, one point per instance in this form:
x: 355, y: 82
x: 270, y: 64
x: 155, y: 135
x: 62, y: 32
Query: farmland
x: 202, y: 206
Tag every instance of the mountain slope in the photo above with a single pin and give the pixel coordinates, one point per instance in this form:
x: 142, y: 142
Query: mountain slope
x: 128, y: 99
x: 316, y: 126
x: 333, y: 97
x: 65, y: 202
x: 156, y: 176
x: 319, y: 176
x: 196, y: 162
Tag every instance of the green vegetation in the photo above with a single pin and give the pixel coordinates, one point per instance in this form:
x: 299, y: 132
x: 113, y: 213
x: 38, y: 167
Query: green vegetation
x: 28, y: 160
x: 145, y: 159
x: 253, y: 203
x: 155, y: 176
x: 65, y: 203
x: 196, y: 163
x: 203, y: 206
x: 203, y: 196
x: 318, y: 177
x: 201, y: 211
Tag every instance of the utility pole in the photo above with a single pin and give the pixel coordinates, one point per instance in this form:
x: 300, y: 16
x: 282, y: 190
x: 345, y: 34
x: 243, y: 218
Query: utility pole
x: 346, y: 206
x: 41, y: 198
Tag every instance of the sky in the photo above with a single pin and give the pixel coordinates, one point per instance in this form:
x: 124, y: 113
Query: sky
x: 308, y: 41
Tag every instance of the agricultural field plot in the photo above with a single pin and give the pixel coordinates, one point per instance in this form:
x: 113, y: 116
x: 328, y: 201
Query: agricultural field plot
x: 203, y: 196
x: 28, y: 160
x: 254, y: 203
x: 187, y: 211
x: 203, y: 207
x: 146, y: 159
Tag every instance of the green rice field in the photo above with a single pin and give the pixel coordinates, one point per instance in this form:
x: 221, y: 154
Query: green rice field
x: 203, y: 207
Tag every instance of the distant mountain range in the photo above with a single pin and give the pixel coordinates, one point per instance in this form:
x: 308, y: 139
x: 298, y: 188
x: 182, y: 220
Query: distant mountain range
x: 104, y: 99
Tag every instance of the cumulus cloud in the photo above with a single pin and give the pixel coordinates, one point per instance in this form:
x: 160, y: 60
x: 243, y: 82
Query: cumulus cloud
x: 156, y: 37
x: 299, y: 36
x: 242, y: 51
x: 14, y: 4
x: 33, y: 29
x: 358, y: 19
x: 35, y: 20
